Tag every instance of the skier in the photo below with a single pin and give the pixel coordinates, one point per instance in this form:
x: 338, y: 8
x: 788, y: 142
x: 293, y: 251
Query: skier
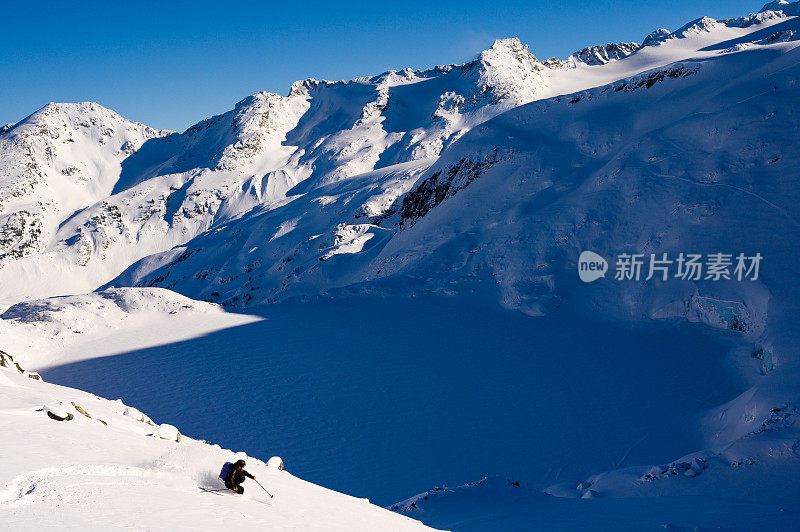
x: 236, y: 476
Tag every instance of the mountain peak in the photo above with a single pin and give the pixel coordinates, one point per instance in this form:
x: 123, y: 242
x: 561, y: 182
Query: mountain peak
x: 657, y: 36
x: 71, y: 108
x: 508, y: 48
x: 697, y: 26
x: 600, y: 55
x: 508, y: 70
x: 510, y: 43
x: 788, y: 8
x: 68, y: 115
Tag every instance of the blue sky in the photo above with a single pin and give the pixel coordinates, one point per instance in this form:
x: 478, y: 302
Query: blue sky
x: 172, y: 65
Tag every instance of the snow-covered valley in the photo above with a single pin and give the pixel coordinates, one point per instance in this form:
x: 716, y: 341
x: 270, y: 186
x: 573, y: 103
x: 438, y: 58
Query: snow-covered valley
x: 378, y: 281
x: 373, y: 412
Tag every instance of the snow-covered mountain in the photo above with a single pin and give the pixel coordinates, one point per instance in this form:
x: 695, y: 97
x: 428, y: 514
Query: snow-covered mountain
x: 59, y: 160
x: 484, y: 180
x: 569, y: 157
x: 155, y: 190
x: 86, y: 194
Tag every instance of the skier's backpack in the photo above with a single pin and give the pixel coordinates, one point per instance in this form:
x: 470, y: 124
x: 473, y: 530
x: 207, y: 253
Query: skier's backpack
x: 225, y: 468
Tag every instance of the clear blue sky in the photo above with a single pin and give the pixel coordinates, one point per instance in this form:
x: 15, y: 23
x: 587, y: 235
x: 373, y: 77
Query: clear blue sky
x: 172, y: 65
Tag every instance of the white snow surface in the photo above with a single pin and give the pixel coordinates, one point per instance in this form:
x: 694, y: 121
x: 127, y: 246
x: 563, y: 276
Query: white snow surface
x: 114, y: 474
x: 67, y: 329
x: 484, y: 180
x: 87, y: 193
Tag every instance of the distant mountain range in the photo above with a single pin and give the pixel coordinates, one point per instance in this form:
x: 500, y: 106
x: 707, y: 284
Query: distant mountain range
x: 496, y: 170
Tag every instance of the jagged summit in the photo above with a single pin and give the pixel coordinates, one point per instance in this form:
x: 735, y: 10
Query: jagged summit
x: 130, y: 191
x: 508, y: 48
x: 600, y: 55
x: 771, y: 11
x: 702, y: 24
x: 787, y: 8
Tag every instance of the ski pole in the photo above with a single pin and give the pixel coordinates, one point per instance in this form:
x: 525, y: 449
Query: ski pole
x: 263, y: 488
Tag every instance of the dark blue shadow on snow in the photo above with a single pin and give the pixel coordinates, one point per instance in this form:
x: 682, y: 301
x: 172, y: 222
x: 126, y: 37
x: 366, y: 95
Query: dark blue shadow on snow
x: 386, y: 398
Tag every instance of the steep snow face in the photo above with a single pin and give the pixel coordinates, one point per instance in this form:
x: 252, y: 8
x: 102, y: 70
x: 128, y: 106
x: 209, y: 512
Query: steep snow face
x: 107, y: 466
x: 245, y: 137
x: 509, y: 70
x: 60, y: 159
x: 570, y: 158
x: 368, y: 123
x: 167, y: 188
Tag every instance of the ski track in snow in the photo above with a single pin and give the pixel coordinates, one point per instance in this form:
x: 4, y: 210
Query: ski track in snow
x: 738, y: 189
x: 54, y: 483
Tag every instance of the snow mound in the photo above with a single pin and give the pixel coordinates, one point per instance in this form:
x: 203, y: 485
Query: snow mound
x: 137, y: 415
x: 59, y: 329
x: 657, y: 37
x: 81, y: 313
x: 497, y: 503
x: 168, y: 432
x: 418, y: 503
x: 276, y: 462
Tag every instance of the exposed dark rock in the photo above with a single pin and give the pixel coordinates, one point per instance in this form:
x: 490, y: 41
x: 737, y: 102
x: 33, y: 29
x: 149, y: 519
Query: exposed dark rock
x: 441, y: 185
x: 600, y: 55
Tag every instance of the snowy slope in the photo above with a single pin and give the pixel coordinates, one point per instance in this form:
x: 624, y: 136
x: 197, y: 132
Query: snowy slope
x: 58, y: 160
x: 614, y: 169
x: 66, y: 329
x: 105, y: 470
x: 176, y: 186
x: 142, y: 191
x: 646, y: 403
x: 579, y: 151
x: 503, y: 504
